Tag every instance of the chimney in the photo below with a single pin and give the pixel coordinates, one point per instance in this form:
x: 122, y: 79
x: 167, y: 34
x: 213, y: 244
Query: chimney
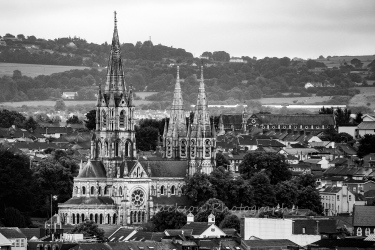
x: 189, y: 218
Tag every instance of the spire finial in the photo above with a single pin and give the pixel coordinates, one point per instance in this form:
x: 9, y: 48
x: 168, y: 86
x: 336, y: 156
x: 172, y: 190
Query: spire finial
x: 115, y: 19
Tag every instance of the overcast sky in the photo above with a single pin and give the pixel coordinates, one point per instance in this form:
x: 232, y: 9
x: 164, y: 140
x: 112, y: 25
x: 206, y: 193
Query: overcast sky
x: 293, y: 28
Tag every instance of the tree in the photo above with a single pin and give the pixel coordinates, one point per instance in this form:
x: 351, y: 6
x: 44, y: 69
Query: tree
x: 89, y: 229
x: 286, y: 194
x: 17, y: 75
x: 212, y: 206
x: 14, y: 218
x: 366, y: 145
x: 30, y: 124
x: 264, y: 196
x: 73, y: 120
x: 168, y: 220
x: 309, y: 198
x: 17, y: 183
x: 231, y: 221
x: 90, y: 121
x: 60, y: 105
x: 199, y: 188
x: 221, y: 56
x: 9, y: 118
x: 274, y: 165
x: 146, y: 137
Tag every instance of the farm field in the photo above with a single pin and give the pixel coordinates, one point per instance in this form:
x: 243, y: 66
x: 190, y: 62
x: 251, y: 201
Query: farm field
x: 366, y: 89
x: 143, y: 95
x: 363, y: 99
x: 52, y: 103
x: 289, y: 100
x: 33, y: 70
x: 336, y: 61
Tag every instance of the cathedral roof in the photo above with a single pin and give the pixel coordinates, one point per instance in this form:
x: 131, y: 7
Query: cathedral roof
x: 92, y: 169
x: 160, y: 167
x: 103, y: 200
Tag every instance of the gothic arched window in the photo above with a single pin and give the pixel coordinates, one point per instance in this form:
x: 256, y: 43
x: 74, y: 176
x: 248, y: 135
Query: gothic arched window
x: 98, y: 149
x: 207, y: 148
x: 173, y: 190
x: 104, y: 119
x: 120, y: 191
x: 106, y: 148
x: 162, y: 190
x: 183, y: 148
x: 122, y: 119
x: 359, y: 231
x: 92, y: 190
x: 117, y: 148
x: 83, y: 190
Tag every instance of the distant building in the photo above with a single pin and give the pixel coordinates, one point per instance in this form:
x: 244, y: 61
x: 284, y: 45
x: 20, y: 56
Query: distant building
x: 14, y: 235
x: 69, y: 95
x: 302, y: 231
x: 367, y: 126
x: 2, y: 42
x: 237, y: 60
x: 337, y: 200
x: 364, y: 220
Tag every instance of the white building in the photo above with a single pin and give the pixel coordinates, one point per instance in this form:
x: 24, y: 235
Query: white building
x: 14, y: 235
x: 367, y: 126
x: 336, y: 200
x: 69, y: 95
x: 301, y: 232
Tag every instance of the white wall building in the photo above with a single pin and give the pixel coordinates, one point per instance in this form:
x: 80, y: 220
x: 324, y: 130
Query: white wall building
x: 336, y: 200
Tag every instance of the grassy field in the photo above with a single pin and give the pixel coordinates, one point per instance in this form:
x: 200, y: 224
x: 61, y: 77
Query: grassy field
x: 290, y: 100
x: 33, y: 70
x: 143, y: 95
x: 336, y: 61
x: 366, y: 89
x: 52, y: 103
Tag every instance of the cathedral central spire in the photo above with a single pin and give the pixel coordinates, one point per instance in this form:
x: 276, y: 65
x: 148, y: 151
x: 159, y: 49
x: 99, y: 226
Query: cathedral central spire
x: 115, y: 80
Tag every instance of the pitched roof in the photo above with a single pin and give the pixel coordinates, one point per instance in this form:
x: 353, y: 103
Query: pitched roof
x: 334, y: 190
x: 161, y: 167
x: 103, y: 200
x: 31, y: 232
x: 197, y: 227
x: 11, y: 232
x: 269, y: 243
x: 364, y: 216
x: 232, y: 119
x: 121, y: 234
x: 347, y: 149
x: 175, y: 232
x: 147, y: 236
x: 366, y: 125
x: 4, y: 241
x: 269, y: 143
x: 92, y: 169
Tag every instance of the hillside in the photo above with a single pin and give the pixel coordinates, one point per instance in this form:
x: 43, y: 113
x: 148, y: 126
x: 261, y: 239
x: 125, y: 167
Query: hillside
x: 153, y: 68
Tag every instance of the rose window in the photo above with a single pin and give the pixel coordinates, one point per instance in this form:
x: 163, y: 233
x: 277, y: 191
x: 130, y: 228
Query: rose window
x: 138, y: 197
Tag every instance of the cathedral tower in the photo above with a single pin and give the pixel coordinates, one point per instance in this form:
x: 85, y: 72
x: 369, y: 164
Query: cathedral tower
x: 174, y: 138
x: 202, y: 135
x: 114, y: 137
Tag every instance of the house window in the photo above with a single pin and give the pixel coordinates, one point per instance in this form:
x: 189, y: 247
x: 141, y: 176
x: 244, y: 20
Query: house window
x: 303, y: 230
x: 367, y: 231
x: 350, y: 197
x: 354, y: 189
x: 359, y: 231
x: 17, y: 242
x: 162, y: 190
x: 338, y: 197
x: 22, y: 243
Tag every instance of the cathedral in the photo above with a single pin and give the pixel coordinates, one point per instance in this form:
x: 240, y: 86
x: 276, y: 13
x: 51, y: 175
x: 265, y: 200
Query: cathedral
x: 117, y: 186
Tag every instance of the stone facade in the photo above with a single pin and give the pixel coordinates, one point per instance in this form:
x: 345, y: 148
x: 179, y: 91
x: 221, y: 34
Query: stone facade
x: 117, y: 186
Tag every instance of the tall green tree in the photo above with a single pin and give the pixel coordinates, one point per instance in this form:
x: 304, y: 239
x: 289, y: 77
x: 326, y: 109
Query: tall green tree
x: 366, y: 145
x: 231, y: 221
x: 199, y: 188
x: 286, y: 194
x: 90, y: 121
x: 168, y: 220
x: 264, y: 195
x: 274, y: 165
